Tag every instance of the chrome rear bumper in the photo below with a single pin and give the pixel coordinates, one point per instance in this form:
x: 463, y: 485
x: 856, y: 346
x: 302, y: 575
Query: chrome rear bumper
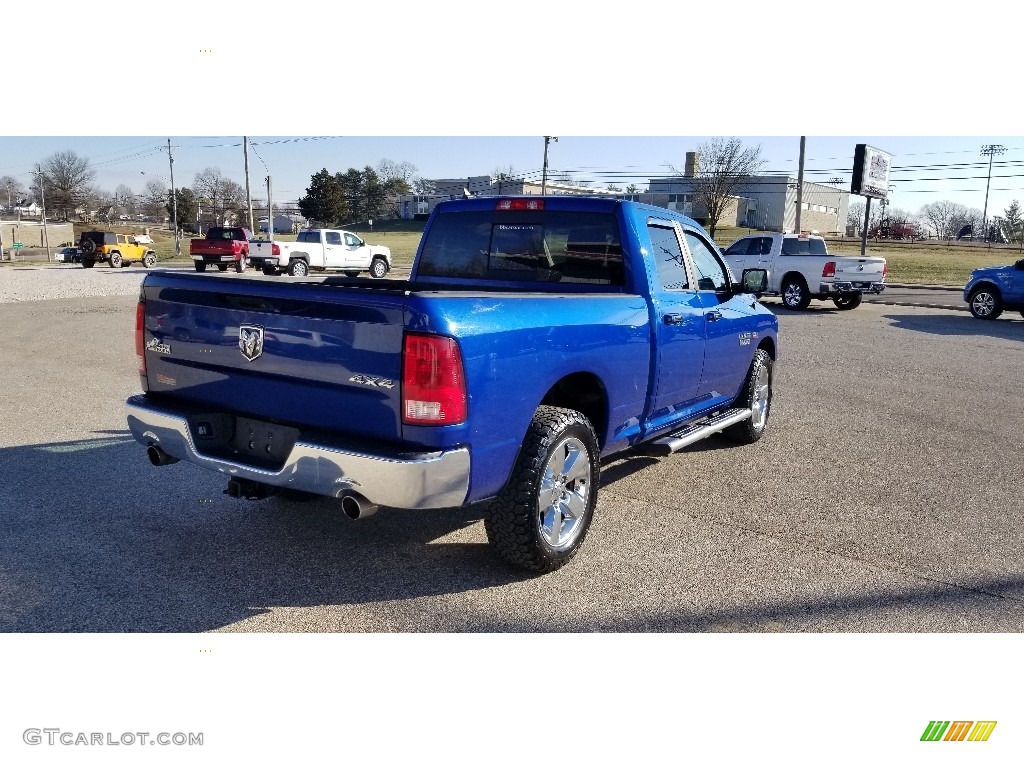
x: 420, y: 481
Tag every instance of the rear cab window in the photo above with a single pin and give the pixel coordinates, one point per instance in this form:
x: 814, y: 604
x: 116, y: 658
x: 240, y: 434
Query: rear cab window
x: 794, y: 246
x: 531, y: 246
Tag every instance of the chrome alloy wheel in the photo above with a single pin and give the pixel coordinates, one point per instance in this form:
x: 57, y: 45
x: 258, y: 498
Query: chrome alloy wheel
x: 759, y: 406
x: 794, y: 295
x: 983, y: 303
x: 564, y: 491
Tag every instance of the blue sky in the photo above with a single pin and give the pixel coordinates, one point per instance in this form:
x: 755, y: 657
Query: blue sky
x: 924, y: 168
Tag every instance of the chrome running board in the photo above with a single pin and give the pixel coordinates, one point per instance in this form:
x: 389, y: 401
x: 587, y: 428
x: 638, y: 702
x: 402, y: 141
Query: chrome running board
x: 693, y: 433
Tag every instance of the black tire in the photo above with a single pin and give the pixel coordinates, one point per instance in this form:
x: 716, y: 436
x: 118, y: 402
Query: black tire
x: 269, y: 270
x: 845, y: 301
x: 88, y: 263
x: 351, y: 273
x: 756, y: 395
x: 200, y: 266
x: 517, y: 525
x: 242, y: 264
x: 985, y: 303
x: 115, y: 260
x: 149, y: 259
x: 378, y: 268
x: 298, y: 268
x: 222, y: 267
x: 795, y: 294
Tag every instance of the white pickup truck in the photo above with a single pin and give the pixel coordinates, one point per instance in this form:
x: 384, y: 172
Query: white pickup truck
x: 320, y: 249
x: 800, y: 269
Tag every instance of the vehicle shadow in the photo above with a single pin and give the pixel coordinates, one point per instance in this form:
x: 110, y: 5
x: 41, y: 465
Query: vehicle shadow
x: 95, y: 539
x: 960, y: 325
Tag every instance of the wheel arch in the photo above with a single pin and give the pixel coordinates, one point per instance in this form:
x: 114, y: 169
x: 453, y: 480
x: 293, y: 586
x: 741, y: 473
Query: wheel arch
x: 793, y: 273
x: 768, y: 345
x: 584, y: 392
x: 987, y: 284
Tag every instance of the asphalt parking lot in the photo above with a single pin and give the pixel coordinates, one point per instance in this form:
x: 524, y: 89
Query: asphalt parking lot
x: 887, y: 496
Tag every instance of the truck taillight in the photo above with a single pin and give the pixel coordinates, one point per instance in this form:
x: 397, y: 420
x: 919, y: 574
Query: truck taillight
x: 140, y: 341
x: 885, y: 270
x: 433, y: 382
x: 829, y: 270
x: 275, y: 250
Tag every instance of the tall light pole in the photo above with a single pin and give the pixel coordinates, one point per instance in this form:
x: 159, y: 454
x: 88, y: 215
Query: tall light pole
x: 839, y: 198
x: 991, y: 150
x: 800, y: 184
x: 544, y: 173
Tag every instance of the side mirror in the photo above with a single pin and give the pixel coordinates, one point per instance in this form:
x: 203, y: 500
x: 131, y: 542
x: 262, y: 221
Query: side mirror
x: 753, y: 281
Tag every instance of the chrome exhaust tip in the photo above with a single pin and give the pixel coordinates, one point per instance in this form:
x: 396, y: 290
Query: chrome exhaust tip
x: 158, y: 458
x: 355, y: 506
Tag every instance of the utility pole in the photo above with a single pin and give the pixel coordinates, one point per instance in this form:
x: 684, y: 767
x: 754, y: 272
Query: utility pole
x: 991, y: 150
x: 270, y: 211
x: 174, y: 204
x: 544, y: 173
x: 839, y: 200
x: 42, y: 200
x: 248, y: 197
x: 800, y: 184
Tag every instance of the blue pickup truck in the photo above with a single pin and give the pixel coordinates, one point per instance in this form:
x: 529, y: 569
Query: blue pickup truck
x: 993, y: 289
x: 535, y: 337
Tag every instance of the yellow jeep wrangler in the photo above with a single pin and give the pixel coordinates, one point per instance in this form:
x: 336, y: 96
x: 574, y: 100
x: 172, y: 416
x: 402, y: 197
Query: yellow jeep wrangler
x: 115, y: 249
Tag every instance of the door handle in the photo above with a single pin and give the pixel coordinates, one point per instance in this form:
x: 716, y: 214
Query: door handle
x: 713, y: 315
x: 673, y: 318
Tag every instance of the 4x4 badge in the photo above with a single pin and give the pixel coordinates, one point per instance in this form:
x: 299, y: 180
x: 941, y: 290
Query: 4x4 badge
x: 250, y: 341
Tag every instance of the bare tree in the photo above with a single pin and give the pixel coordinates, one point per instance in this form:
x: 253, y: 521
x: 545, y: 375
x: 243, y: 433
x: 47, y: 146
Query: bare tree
x: 11, y: 191
x: 946, y: 218
x: 855, y: 215
x: 396, y: 175
x: 218, y: 194
x: 723, y: 170
x: 67, y: 178
x: 153, y: 198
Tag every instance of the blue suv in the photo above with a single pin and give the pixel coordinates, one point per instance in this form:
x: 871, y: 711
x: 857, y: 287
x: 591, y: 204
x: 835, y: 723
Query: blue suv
x: 993, y: 289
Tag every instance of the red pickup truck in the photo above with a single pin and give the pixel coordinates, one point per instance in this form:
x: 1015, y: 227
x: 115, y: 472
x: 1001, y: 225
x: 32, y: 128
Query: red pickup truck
x: 223, y: 246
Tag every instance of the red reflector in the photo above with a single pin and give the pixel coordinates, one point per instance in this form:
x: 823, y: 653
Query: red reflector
x: 829, y: 270
x: 520, y: 204
x: 433, y: 383
x: 140, y: 332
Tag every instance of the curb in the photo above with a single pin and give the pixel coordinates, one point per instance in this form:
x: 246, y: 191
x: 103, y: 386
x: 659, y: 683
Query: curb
x: 926, y: 287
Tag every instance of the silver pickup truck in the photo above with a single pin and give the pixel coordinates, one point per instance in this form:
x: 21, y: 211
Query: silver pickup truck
x: 800, y: 268
x: 320, y: 250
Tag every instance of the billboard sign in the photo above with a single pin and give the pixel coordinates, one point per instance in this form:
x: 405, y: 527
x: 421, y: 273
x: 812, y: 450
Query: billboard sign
x: 870, y: 172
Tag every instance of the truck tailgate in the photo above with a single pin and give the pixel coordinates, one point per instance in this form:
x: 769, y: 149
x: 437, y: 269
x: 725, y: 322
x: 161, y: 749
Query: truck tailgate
x: 306, y: 354
x: 866, y: 269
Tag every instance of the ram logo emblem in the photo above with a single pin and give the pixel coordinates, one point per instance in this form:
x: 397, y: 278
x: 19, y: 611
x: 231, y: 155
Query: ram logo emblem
x: 250, y: 341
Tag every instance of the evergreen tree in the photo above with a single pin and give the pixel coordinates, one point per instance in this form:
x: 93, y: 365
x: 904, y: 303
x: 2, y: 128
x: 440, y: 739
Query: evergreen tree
x: 1014, y: 219
x: 187, y: 206
x: 324, y: 202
